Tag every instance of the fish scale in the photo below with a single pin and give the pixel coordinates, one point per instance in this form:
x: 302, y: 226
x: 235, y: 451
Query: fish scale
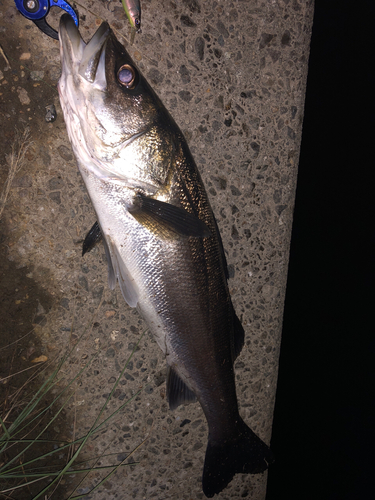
x: 161, y: 238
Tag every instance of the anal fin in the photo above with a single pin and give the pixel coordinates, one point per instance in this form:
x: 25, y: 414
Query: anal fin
x: 178, y: 392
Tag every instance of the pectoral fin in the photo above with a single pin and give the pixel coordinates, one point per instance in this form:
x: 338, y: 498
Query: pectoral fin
x: 166, y: 220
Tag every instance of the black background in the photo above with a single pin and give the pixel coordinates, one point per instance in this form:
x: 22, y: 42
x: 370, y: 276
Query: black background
x: 324, y: 426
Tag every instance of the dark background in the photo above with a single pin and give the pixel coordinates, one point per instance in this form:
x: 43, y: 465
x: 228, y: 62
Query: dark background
x: 324, y: 427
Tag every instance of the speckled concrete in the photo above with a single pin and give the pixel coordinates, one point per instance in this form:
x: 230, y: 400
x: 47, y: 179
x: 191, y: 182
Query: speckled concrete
x: 233, y: 76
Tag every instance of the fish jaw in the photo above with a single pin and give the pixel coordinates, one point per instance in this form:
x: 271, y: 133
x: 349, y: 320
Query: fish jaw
x: 102, y: 120
x: 79, y: 95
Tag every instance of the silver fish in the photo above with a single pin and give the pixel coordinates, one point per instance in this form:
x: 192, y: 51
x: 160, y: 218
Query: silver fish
x: 161, y: 238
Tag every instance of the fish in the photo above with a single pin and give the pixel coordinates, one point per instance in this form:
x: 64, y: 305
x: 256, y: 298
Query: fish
x: 161, y: 238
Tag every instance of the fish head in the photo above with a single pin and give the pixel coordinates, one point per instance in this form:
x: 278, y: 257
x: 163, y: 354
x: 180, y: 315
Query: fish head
x: 106, y: 101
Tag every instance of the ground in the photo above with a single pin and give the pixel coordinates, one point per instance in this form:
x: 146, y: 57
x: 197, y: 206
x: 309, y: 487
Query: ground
x: 233, y: 77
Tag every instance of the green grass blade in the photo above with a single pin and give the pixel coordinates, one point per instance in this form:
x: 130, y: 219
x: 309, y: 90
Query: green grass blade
x: 69, y: 472
x: 93, y: 428
x: 7, y: 435
x: 23, y: 422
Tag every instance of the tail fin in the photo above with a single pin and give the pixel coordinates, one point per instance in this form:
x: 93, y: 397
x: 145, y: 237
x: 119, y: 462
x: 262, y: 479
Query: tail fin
x: 244, y: 453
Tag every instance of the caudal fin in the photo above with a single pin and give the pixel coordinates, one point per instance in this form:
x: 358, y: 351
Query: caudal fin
x: 243, y: 453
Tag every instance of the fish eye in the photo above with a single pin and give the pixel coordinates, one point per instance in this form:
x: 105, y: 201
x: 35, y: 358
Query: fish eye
x: 126, y: 76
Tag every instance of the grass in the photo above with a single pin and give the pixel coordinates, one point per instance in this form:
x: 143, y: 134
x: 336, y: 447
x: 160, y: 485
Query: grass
x: 23, y: 466
x: 28, y: 418
x: 16, y: 159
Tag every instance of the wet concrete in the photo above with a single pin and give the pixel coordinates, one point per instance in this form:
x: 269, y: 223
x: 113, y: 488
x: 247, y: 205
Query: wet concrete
x: 233, y: 76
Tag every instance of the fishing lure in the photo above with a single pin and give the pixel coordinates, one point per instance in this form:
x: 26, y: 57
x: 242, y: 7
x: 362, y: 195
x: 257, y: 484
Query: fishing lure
x: 133, y: 12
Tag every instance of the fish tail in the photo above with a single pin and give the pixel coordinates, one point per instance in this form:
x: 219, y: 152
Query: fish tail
x: 245, y: 452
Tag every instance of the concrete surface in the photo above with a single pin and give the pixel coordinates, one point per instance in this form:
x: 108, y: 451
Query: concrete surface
x: 233, y: 75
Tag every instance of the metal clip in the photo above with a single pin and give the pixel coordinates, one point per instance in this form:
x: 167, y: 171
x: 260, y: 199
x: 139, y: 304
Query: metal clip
x: 37, y: 10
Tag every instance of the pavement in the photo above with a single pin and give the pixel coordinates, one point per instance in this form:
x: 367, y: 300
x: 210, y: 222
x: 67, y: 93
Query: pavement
x: 233, y: 76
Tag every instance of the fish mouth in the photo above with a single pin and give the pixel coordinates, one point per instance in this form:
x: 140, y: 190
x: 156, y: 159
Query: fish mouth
x: 88, y: 60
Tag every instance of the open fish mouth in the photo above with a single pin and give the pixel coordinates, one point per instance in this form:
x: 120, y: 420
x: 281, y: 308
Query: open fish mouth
x: 83, y: 87
x: 87, y: 60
